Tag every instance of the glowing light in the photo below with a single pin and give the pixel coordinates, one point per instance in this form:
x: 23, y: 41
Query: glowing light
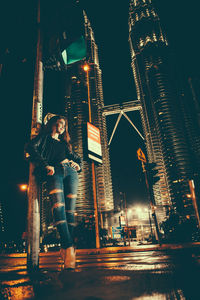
x: 138, y: 210
x: 23, y: 187
x: 86, y: 68
x: 189, y: 196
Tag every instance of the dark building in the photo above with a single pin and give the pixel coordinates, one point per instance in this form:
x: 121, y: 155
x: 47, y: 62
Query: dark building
x: 76, y: 108
x: 167, y: 123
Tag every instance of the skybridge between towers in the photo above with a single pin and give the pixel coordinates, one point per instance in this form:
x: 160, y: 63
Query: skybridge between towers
x: 122, y: 109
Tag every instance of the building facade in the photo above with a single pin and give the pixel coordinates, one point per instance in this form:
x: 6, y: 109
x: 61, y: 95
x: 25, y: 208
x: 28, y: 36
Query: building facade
x: 76, y: 109
x: 163, y: 110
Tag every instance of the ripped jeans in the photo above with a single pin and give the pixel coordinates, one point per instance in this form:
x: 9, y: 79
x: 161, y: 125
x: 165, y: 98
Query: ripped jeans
x: 62, y: 189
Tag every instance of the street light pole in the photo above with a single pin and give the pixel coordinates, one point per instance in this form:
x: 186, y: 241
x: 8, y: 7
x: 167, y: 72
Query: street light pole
x: 33, y: 218
x: 151, y: 204
x: 124, y: 196
x: 86, y: 69
x: 150, y: 224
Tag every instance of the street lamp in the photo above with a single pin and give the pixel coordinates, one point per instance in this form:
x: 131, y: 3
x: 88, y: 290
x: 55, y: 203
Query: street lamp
x: 139, y: 211
x: 129, y: 211
x: 86, y: 68
x: 23, y: 187
x: 143, y: 213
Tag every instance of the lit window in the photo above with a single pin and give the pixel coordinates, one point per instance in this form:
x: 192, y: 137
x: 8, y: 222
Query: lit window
x: 148, y: 39
x: 154, y: 37
x: 147, y: 12
x: 141, y: 43
x: 142, y: 15
x: 162, y: 38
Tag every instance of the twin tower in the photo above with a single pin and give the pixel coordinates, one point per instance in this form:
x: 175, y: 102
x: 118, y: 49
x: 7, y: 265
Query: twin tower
x: 171, y: 135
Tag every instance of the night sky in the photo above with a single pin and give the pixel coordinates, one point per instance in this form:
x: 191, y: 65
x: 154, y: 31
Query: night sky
x: 109, y: 19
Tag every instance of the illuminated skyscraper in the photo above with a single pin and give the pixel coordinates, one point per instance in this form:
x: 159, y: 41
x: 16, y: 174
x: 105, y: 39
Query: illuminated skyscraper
x: 76, y: 104
x: 163, y: 110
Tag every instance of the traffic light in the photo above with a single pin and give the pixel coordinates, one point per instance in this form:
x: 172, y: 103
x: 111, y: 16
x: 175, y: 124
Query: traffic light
x: 63, y: 34
x: 152, y: 173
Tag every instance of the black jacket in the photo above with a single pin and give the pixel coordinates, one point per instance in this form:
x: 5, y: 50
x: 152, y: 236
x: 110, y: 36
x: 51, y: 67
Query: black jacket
x: 38, y: 152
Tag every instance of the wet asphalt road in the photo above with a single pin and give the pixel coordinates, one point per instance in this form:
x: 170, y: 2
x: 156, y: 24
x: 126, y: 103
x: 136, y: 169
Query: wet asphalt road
x: 159, y: 275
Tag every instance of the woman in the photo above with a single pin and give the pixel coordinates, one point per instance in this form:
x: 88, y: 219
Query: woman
x: 51, y: 152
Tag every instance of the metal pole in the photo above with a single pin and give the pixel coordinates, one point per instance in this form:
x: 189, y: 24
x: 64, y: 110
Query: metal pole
x: 194, y: 200
x: 93, y: 174
x: 150, y: 222
x: 126, y: 219
x: 151, y: 203
x: 33, y: 239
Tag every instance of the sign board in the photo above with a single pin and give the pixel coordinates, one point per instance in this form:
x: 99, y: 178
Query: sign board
x: 122, y: 220
x: 116, y: 232
x: 141, y: 156
x: 94, y: 143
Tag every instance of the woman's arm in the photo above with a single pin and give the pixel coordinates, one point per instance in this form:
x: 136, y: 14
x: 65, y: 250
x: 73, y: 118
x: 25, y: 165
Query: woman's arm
x: 32, y: 149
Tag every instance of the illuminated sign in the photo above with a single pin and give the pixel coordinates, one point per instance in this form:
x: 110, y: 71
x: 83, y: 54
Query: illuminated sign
x: 141, y: 156
x: 94, y: 143
x: 122, y: 220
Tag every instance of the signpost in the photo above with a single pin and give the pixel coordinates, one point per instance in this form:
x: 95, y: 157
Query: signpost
x: 94, y: 141
x: 141, y: 156
x: 33, y: 220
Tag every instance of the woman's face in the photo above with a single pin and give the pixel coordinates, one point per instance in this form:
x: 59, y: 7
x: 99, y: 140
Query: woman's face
x: 60, y: 126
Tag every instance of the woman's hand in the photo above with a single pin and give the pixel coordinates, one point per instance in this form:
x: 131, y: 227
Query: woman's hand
x: 74, y: 165
x: 50, y: 170
x: 66, y: 160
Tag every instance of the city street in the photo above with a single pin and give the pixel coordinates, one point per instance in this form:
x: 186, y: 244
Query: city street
x: 166, y: 274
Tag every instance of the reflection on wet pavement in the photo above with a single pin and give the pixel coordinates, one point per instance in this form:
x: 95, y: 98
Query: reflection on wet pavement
x: 142, y: 276
x: 15, y: 282
x: 157, y: 296
x: 17, y: 293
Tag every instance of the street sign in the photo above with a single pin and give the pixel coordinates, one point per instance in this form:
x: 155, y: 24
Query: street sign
x: 122, y: 220
x: 116, y: 232
x: 141, y: 155
x: 94, y: 143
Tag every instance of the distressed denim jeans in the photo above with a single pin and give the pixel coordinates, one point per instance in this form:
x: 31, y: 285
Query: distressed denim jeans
x: 62, y: 190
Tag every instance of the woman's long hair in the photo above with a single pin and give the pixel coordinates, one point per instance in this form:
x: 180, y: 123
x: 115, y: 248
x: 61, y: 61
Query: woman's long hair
x: 47, y: 129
